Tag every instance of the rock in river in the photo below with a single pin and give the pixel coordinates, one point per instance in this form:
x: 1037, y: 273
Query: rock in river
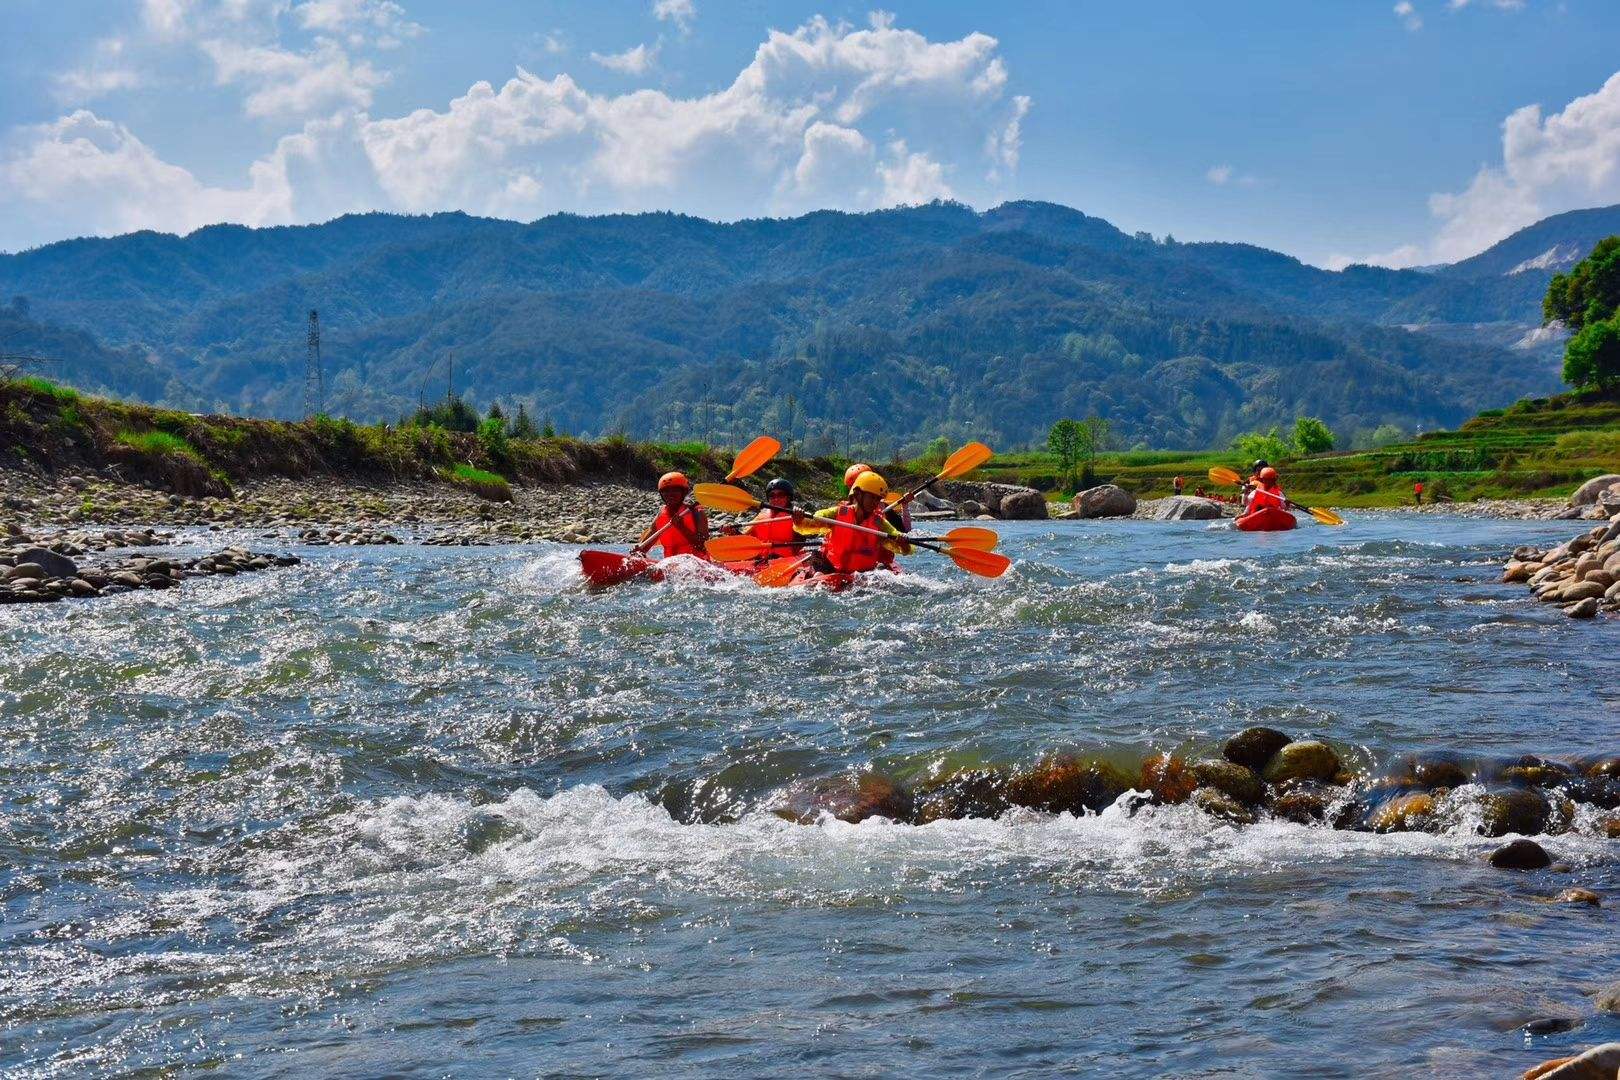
x: 1307, y: 760
x: 1186, y: 508
x: 1230, y: 779
x: 1067, y: 783
x: 1105, y: 500
x: 1024, y: 505
x: 851, y: 799
x: 1520, y: 855
x: 53, y: 564
x: 1253, y: 747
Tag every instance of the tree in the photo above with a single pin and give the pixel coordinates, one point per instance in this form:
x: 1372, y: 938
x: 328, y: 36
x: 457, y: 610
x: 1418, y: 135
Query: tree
x: 1589, y: 293
x: 1592, y: 357
x: 1384, y: 435
x: 1311, y: 436
x: 495, y: 412
x: 522, y: 425
x: 1067, y: 440
x: 1267, y: 445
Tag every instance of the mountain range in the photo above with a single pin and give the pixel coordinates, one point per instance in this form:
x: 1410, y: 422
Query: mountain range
x: 880, y: 330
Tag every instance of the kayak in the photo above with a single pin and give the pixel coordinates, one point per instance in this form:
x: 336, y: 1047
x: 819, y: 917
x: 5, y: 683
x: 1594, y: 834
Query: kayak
x: 603, y: 569
x: 1266, y: 519
x: 834, y: 582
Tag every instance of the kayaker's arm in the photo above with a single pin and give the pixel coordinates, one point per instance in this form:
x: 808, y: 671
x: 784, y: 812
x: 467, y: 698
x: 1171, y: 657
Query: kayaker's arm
x: 896, y: 540
x: 814, y: 525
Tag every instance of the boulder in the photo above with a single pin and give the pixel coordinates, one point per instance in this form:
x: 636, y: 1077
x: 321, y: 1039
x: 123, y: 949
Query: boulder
x: 1307, y: 760
x: 1404, y: 813
x: 1588, y: 493
x: 53, y: 564
x: 1584, y: 609
x: 1068, y: 784
x: 1252, y: 747
x: 1577, y: 896
x: 969, y: 793
x: 1598, y: 1063
x: 31, y: 571
x: 1522, y: 810
x: 847, y: 799
x: 1105, y: 500
x: 1432, y: 773
x: 1230, y: 779
x: 1304, y: 802
x: 971, y: 508
x: 1024, y: 505
x: 1186, y: 508
x: 1220, y: 805
x: 1168, y: 778
x: 1520, y: 855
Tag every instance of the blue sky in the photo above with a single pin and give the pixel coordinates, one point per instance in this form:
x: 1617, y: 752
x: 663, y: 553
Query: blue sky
x: 1402, y: 133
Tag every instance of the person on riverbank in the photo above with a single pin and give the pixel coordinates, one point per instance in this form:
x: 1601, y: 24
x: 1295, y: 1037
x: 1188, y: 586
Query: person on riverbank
x: 850, y: 550
x: 774, y: 522
x: 681, y: 526
x: 899, y: 514
x: 1180, y: 484
x: 1417, y: 493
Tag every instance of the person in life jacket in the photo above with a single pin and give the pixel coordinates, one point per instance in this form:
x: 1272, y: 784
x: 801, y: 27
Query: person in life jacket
x: 1267, y: 492
x: 1180, y: 484
x: 681, y: 526
x: 774, y: 523
x: 849, y: 551
x: 899, y: 513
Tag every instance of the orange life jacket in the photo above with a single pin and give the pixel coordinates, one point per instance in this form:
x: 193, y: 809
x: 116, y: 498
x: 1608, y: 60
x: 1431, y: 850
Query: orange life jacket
x: 852, y: 552
x: 674, y: 539
x: 775, y: 527
x: 1262, y: 497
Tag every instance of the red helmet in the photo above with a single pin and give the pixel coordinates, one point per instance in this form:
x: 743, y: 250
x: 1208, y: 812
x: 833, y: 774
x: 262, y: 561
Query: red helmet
x: 674, y: 479
x: 853, y: 471
x: 1268, y: 475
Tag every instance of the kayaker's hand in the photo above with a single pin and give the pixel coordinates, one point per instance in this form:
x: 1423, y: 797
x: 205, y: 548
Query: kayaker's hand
x: 798, y: 516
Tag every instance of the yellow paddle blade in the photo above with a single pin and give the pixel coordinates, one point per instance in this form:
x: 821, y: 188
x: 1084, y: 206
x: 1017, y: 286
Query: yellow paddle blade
x: 971, y: 536
x: 965, y: 460
x: 736, y: 548
x: 724, y: 497
x: 990, y: 564
x: 780, y: 573
x: 753, y: 457
x: 1222, y: 475
x: 1326, y: 517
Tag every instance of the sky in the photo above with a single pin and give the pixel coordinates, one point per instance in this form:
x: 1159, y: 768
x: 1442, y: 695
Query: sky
x: 1400, y: 133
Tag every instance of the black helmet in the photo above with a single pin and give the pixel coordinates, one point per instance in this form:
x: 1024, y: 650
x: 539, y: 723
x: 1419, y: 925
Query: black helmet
x: 779, y: 484
x: 1258, y: 465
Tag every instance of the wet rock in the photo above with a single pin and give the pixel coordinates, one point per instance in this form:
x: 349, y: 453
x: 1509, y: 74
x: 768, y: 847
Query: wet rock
x: 1577, y: 896
x: 1253, y: 747
x: 970, y: 793
x: 1405, y: 813
x: 1599, y: 1063
x: 1433, y: 773
x: 851, y: 799
x: 1585, y: 609
x: 1520, y: 855
x: 1218, y: 804
x: 1186, y: 508
x: 1608, y: 999
x: 49, y: 561
x: 1068, y: 784
x: 1105, y: 500
x: 1168, y: 778
x: 1553, y: 1025
x: 1024, y: 505
x: 1230, y: 779
x: 1304, y: 802
x: 1523, y: 811
x: 25, y: 570
x: 1307, y: 760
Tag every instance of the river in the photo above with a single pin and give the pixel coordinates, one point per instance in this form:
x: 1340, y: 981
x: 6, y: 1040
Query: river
x: 427, y: 811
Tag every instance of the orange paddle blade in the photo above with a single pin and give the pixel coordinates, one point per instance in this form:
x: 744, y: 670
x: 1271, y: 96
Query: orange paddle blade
x: 736, y: 548
x: 965, y: 460
x: 781, y: 572
x: 1326, y: 517
x: 726, y: 497
x: 753, y: 457
x: 1222, y: 475
x: 989, y: 564
x: 971, y: 536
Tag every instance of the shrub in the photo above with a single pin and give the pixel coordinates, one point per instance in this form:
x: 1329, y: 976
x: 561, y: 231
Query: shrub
x: 492, y: 436
x: 38, y: 385
x: 486, y: 485
x: 157, y: 443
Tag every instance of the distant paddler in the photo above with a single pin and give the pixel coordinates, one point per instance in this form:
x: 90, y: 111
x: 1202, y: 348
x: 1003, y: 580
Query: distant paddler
x: 898, y: 512
x: 774, y: 522
x: 854, y: 550
x: 681, y: 526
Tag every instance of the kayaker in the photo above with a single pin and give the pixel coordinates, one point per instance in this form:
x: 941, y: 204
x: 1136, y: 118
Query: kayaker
x: 774, y: 523
x: 899, y: 514
x: 849, y: 551
x: 688, y: 525
x: 1267, y: 492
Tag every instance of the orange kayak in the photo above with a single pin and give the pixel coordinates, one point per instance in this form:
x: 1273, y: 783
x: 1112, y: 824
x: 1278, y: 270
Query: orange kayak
x: 1266, y: 519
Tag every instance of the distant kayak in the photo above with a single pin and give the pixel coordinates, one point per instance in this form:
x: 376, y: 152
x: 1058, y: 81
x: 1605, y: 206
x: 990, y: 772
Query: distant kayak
x: 1266, y: 519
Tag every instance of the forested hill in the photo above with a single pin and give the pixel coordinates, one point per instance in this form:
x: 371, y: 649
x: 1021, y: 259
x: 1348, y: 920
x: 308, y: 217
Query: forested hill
x: 878, y: 329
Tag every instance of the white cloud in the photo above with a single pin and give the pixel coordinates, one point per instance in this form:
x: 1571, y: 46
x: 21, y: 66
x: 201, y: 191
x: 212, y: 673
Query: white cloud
x: 293, y: 85
x: 360, y: 23
x: 1219, y: 174
x: 1500, y: 5
x: 1223, y: 175
x: 1408, y: 15
x: 108, y: 70
x: 823, y: 116
x: 680, y: 12
x: 1397, y: 258
x: 635, y: 61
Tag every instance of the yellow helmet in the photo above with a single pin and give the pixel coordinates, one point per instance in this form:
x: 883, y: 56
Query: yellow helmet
x: 871, y: 483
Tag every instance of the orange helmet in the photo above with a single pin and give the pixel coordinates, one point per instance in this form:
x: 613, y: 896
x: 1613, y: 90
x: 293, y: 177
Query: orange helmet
x: 853, y: 471
x: 674, y: 479
x: 1268, y: 475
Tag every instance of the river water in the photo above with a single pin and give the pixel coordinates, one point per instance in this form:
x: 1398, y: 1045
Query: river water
x: 426, y: 811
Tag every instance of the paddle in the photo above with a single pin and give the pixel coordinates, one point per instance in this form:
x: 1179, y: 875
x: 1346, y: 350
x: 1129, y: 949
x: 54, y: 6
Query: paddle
x: 990, y: 564
x: 734, y: 500
x: 964, y: 461
x: 778, y: 574
x: 751, y: 458
x: 1222, y: 475
x: 744, y: 548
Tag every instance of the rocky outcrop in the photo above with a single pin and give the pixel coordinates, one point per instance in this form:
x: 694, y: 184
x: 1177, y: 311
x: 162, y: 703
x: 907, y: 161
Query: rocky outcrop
x: 1187, y: 508
x: 1103, y: 501
x: 1026, y: 504
x: 1581, y: 576
x: 1594, y: 489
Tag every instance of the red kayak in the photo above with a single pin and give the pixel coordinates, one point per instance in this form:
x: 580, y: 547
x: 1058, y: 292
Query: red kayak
x: 603, y: 569
x: 1266, y: 519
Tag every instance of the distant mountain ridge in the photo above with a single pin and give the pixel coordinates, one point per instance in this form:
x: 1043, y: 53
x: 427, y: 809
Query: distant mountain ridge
x: 881, y: 329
